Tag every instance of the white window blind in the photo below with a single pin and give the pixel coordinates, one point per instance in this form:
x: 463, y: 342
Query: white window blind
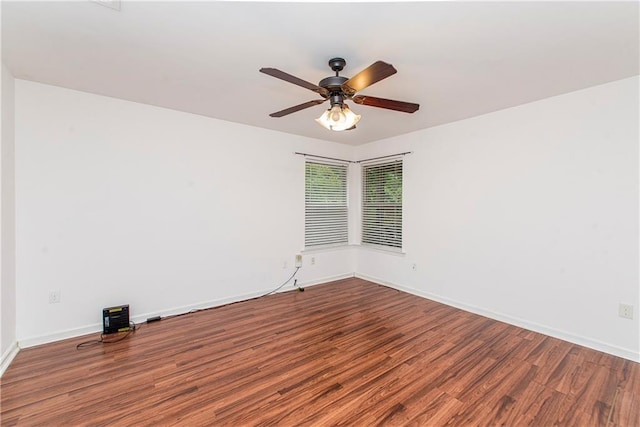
x: 382, y: 204
x: 325, y: 204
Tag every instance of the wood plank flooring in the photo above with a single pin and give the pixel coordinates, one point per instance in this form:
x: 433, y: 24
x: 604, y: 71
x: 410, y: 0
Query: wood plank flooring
x: 343, y: 353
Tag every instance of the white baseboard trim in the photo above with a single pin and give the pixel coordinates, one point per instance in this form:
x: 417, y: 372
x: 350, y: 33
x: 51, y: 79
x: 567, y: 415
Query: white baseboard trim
x: 522, y: 323
x: 327, y: 279
x: 59, y: 335
x: 625, y: 353
x: 8, y: 356
x: 141, y: 318
x: 224, y: 301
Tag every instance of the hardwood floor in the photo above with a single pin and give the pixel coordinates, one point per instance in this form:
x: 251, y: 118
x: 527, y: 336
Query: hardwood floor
x: 348, y: 352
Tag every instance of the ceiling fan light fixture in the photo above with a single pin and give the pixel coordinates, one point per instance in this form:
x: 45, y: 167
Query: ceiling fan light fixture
x: 338, y: 118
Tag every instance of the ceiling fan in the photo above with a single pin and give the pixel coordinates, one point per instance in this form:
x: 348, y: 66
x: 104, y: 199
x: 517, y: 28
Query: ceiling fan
x: 337, y: 89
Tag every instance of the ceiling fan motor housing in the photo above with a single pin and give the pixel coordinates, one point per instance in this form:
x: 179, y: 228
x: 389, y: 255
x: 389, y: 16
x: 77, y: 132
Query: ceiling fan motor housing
x: 334, y: 85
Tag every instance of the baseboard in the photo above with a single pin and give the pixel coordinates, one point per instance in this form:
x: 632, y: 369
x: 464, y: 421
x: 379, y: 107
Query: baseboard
x: 625, y: 353
x: 522, y: 323
x: 59, y: 335
x: 224, y: 301
x: 327, y: 279
x: 8, y: 356
x: 141, y: 318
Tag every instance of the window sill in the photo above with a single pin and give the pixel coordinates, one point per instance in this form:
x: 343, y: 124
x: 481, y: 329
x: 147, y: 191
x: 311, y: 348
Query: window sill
x: 327, y: 248
x: 383, y: 249
x: 373, y: 248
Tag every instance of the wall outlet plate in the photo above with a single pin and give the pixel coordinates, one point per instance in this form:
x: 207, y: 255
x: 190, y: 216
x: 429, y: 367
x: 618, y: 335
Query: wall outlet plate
x: 299, y: 260
x: 625, y: 311
x: 54, y: 297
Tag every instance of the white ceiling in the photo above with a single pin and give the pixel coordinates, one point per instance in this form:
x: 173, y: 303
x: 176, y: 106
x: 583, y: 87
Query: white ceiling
x: 456, y: 59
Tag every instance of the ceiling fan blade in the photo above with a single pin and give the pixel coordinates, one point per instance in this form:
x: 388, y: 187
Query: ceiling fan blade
x: 274, y: 72
x: 297, y: 108
x: 389, y: 104
x: 374, y: 73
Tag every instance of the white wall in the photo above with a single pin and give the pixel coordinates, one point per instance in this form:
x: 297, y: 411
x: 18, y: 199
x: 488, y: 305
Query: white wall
x: 529, y: 215
x: 8, y: 347
x: 119, y: 203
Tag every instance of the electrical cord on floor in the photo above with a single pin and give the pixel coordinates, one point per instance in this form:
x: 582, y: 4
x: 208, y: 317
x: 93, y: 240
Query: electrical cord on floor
x: 89, y: 343
x: 287, y: 281
x: 153, y: 319
x: 195, y: 310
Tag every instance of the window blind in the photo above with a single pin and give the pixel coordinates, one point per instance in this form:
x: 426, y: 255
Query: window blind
x: 382, y: 204
x: 325, y: 204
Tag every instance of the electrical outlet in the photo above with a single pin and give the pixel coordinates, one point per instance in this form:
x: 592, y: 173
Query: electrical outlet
x: 414, y: 266
x: 626, y: 311
x: 54, y: 297
x: 284, y: 264
x: 313, y: 260
x: 298, y: 260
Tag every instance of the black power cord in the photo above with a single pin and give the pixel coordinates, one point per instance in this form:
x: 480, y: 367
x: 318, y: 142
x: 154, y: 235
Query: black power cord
x: 287, y: 281
x: 156, y: 318
x: 89, y: 343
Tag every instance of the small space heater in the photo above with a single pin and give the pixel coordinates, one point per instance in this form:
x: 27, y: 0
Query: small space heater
x: 115, y: 319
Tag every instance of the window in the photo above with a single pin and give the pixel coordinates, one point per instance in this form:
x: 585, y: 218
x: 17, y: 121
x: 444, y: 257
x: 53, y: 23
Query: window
x: 382, y: 204
x: 325, y: 220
